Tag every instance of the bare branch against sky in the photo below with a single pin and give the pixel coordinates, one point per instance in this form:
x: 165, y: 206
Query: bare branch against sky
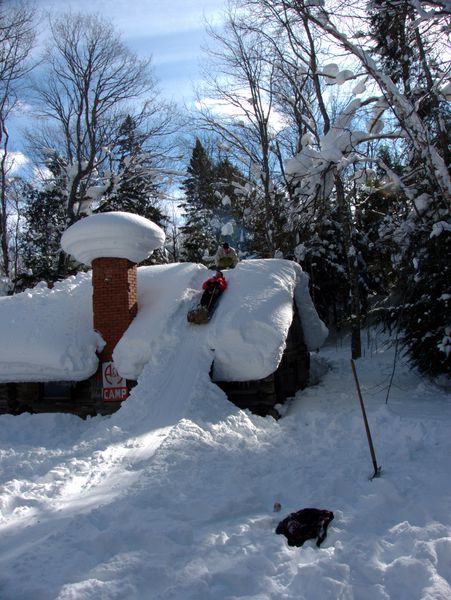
x: 171, y: 32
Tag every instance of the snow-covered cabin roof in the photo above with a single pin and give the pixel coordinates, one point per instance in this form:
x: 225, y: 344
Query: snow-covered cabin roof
x: 112, y: 234
x: 47, y: 334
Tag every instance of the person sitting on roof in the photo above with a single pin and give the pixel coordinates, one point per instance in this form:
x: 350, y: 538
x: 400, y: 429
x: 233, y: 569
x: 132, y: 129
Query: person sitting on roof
x: 226, y: 257
x: 213, y: 289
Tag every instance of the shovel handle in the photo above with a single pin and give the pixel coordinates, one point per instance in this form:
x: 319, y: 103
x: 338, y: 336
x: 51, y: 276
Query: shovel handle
x: 377, y: 469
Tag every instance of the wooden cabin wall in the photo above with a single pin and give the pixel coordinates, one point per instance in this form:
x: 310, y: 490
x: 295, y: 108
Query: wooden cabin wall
x: 258, y: 396
x: 294, y: 369
x: 82, y: 400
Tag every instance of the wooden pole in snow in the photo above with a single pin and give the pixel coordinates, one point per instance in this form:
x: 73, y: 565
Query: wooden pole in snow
x: 377, y: 470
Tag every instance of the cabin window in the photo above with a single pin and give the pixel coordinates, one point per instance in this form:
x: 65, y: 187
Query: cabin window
x: 56, y: 390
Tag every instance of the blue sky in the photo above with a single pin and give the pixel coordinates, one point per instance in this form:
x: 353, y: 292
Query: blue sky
x: 171, y: 31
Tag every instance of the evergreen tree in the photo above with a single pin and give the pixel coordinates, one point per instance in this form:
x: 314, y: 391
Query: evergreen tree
x: 133, y: 188
x: 321, y: 255
x: 412, y: 58
x: 266, y: 221
x: 418, y: 302
x: 45, y: 216
x: 391, y: 28
x: 199, y: 206
x: 421, y: 302
x: 377, y: 218
x: 379, y: 211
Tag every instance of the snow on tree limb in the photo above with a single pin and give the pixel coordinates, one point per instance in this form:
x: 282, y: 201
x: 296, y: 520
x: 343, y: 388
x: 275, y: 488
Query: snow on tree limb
x: 403, y: 108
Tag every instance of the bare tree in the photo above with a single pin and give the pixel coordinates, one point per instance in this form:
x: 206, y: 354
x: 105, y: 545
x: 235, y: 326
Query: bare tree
x: 92, y: 82
x: 409, y: 112
x: 279, y: 57
x: 16, y: 41
x: 413, y: 94
x: 237, y: 102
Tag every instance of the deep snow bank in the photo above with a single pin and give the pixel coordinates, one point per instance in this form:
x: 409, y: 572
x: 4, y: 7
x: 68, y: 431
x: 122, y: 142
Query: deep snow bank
x: 48, y: 335
x: 250, y: 326
x: 112, y: 508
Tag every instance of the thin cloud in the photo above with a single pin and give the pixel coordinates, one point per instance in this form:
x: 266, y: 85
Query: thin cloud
x: 141, y: 17
x: 226, y: 109
x: 15, y: 161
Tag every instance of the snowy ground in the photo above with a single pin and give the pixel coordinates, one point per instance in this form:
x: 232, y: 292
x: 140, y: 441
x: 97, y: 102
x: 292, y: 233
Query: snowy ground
x: 175, y: 500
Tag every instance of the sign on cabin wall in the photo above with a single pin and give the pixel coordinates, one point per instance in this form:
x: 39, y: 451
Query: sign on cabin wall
x: 114, y: 387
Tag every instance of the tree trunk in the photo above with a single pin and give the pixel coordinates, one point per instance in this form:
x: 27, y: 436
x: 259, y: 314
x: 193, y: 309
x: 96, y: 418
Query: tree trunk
x: 3, y: 198
x: 352, y: 268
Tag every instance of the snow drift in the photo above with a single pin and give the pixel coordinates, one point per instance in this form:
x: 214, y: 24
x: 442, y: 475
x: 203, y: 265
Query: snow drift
x: 146, y: 505
x: 48, y: 334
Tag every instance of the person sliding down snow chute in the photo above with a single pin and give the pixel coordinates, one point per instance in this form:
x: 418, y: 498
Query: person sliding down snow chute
x: 213, y: 288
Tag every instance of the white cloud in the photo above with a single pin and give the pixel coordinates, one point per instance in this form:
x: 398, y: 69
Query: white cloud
x: 226, y: 109
x: 15, y: 161
x: 141, y: 17
x: 171, y: 32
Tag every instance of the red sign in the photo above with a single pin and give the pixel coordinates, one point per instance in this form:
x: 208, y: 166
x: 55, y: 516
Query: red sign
x: 114, y: 387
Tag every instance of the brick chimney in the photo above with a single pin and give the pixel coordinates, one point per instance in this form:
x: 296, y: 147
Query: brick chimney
x: 114, y: 282
x: 113, y: 243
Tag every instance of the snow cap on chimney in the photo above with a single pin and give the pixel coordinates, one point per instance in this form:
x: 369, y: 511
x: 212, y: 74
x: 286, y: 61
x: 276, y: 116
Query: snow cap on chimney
x: 112, y: 234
